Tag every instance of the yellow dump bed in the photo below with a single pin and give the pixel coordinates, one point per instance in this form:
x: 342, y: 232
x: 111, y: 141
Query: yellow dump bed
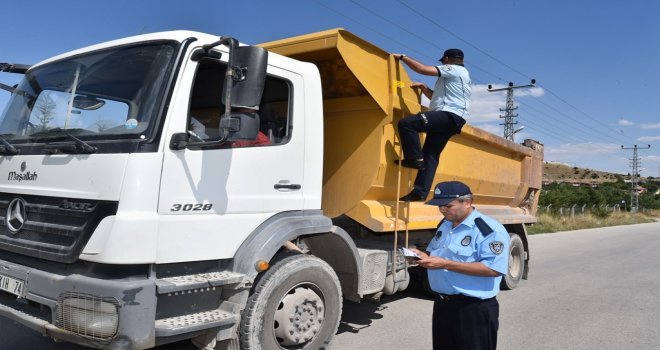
x: 365, y: 92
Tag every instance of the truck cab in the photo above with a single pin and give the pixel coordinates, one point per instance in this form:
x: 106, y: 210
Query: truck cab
x: 121, y: 217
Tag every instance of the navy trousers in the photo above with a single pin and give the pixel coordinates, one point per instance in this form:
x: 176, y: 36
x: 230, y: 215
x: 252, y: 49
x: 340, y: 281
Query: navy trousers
x: 465, y: 324
x: 439, y: 127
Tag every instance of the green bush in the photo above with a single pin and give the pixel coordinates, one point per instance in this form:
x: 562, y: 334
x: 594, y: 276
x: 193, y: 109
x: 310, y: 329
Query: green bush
x: 609, y: 193
x: 600, y: 212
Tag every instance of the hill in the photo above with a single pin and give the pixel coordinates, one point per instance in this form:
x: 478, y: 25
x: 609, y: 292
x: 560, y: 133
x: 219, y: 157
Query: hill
x: 565, y: 186
x: 559, y: 173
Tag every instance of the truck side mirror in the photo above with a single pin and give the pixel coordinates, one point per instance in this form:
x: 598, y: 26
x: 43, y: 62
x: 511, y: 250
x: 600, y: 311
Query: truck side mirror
x: 249, y: 76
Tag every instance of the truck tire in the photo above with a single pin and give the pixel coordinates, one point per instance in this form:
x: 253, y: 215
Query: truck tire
x: 296, y: 304
x: 516, y: 263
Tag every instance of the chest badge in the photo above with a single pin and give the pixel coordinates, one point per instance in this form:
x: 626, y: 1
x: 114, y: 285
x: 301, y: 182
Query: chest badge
x: 466, y: 241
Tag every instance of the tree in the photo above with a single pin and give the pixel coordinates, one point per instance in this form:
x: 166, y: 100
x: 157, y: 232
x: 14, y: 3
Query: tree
x: 46, y: 108
x: 102, y: 124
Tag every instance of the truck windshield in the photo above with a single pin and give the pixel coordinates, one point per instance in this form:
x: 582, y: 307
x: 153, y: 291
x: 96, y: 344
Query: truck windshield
x: 102, y: 95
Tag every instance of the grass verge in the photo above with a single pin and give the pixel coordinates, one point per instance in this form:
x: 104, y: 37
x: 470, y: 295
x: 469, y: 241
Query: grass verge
x: 549, y: 223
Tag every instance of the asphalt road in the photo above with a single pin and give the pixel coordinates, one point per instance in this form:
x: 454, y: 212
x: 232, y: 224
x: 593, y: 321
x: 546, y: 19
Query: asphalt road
x: 588, y: 289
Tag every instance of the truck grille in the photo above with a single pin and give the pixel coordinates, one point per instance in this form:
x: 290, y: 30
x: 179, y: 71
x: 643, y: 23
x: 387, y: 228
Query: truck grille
x: 50, y: 228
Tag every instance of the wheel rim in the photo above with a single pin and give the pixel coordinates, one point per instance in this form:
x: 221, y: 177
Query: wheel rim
x: 299, y: 316
x: 515, y: 262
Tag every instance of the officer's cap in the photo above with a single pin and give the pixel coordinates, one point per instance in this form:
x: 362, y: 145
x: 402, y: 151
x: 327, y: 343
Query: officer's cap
x: 445, y: 192
x: 453, y: 53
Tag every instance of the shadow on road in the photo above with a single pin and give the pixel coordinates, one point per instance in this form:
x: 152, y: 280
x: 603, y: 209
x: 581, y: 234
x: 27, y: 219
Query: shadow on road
x: 357, y: 316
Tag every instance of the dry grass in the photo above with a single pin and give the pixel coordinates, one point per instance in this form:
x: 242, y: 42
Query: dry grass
x: 549, y: 223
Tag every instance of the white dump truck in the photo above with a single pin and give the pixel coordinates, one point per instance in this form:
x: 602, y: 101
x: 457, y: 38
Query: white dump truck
x: 181, y: 185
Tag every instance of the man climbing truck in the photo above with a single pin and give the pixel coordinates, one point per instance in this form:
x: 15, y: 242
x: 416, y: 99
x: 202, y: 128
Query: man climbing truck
x: 137, y: 209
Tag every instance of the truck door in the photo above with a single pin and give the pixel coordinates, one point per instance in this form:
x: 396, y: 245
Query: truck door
x: 220, y: 195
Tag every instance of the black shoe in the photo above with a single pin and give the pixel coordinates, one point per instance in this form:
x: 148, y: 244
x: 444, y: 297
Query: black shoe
x: 411, y: 163
x: 413, y: 197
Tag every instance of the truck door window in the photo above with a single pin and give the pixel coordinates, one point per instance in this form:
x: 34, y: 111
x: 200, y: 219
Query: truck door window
x: 206, y: 108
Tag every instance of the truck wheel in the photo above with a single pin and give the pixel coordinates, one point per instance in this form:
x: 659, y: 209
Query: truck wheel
x: 516, y: 263
x: 296, y: 304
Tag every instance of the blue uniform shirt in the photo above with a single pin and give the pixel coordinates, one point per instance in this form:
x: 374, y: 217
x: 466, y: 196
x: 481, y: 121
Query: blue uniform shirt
x: 466, y: 243
x: 452, y: 90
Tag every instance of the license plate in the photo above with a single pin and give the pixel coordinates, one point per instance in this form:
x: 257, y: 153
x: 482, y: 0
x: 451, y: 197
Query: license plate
x: 11, y: 285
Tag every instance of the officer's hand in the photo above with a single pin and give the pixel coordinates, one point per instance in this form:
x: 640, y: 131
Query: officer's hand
x: 418, y: 85
x: 421, y: 254
x: 433, y: 262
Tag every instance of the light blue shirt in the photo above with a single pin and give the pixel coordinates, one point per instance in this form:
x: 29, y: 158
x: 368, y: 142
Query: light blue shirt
x: 452, y: 90
x: 466, y: 243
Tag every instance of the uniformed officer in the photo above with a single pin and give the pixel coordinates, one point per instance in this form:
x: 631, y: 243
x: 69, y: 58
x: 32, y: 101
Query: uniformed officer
x: 466, y: 261
x: 448, y: 108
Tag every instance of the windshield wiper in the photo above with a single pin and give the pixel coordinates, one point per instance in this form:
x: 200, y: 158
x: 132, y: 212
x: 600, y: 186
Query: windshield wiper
x: 8, y: 149
x: 78, y: 145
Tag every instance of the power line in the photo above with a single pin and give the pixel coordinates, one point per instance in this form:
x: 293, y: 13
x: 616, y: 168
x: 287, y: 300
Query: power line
x: 555, y: 126
x: 417, y: 36
x: 586, y: 129
x: 503, y: 63
x: 421, y: 38
x: 544, y: 130
x: 370, y: 28
x: 577, y: 121
x: 463, y: 40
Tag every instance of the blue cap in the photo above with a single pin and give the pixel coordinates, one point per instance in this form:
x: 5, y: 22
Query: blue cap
x: 445, y: 192
x: 453, y: 53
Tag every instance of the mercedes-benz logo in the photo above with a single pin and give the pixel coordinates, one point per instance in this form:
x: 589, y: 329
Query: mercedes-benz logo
x: 16, y: 215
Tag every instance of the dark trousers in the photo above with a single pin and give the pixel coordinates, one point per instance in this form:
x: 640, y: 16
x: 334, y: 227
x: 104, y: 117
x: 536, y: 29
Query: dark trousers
x: 465, y: 324
x: 439, y: 127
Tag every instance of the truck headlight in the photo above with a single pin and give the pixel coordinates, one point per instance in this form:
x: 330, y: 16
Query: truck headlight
x: 88, y: 315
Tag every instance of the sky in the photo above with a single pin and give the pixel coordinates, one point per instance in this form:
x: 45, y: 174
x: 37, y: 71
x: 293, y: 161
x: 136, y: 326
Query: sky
x: 596, y: 63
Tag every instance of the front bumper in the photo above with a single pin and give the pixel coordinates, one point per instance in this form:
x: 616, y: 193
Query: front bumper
x: 38, y: 306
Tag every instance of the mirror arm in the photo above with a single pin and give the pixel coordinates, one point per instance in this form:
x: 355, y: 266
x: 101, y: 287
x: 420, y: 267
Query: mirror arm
x: 232, y: 44
x: 229, y: 78
x: 224, y: 40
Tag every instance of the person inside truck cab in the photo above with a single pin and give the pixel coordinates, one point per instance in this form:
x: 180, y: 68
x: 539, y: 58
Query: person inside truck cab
x: 261, y: 139
x: 450, y: 101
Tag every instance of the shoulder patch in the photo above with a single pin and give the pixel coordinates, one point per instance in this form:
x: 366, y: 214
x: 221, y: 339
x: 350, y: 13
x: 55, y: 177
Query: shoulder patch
x: 496, y: 247
x: 483, y: 226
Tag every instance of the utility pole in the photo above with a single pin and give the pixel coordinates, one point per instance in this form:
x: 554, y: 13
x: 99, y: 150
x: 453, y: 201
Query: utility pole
x: 635, y: 162
x: 509, y: 115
